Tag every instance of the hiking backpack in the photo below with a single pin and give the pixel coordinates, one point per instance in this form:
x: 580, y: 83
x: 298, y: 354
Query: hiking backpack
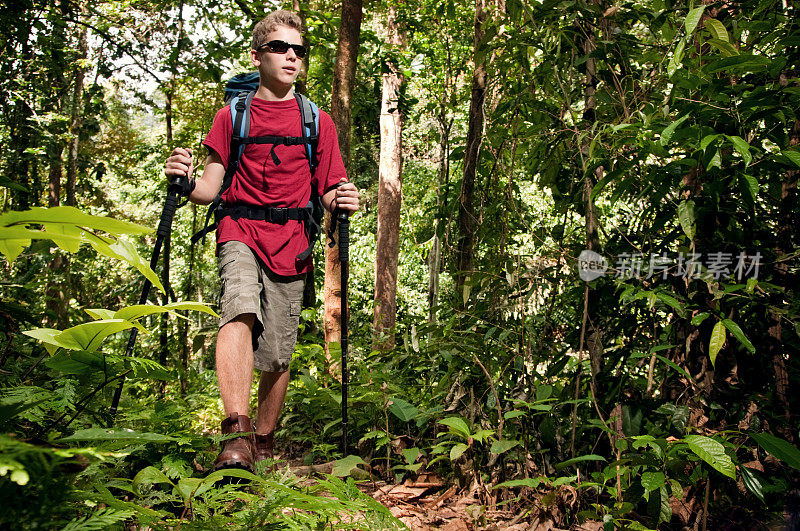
x: 239, y: 92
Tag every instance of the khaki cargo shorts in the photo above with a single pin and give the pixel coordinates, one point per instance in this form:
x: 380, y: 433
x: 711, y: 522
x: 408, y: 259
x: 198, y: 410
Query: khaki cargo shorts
x: 248, y: 286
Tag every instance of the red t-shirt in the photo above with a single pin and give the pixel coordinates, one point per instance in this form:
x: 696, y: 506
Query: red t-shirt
x: 259, y: 181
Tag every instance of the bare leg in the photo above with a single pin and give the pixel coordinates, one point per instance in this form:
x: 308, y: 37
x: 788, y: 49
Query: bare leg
x: 235, y: 364
x: 271, y: 393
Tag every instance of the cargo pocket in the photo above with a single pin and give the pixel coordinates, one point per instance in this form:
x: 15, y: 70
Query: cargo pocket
x: 295, y: 307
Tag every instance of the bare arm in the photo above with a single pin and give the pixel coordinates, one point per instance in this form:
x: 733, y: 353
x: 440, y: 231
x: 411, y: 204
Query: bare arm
x: 181, y: 164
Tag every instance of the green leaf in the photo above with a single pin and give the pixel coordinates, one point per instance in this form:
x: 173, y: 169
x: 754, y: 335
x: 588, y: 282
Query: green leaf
x: 738, y: 334
x: 686, y: 218
x: 752, y: 187
x: 707, y: 140
x: 411, y: 455
x: 150, y: 476
x: 579, y: 459
x: 778, y: 448
x: 743, y: 148
x: 713, y: 453
x: 793, y: 156
x: 693, y: 19
x: 677, y: 58
x: 402, y: 409
x: 727, y: 49
x: 501, y: 447
x: 652, y: 481
x: 77, y: 362
x: 344, y: 467
x: 717, y: 29
x: 458, y: 426
x: 107, y: 434
x: 717, y: 341
x: 187, y: 487
x: 66, y: 215
x: 672, y: 302
x: 89, y: 336
x: 752, y: 482
x: 138, y: 311
x: 123, y: 250
x: 457, y: 451
x: 699, y: 318
x: 46, y: 336
x: 674, y: 366
x: 100, y: 313
x: 669, y: 130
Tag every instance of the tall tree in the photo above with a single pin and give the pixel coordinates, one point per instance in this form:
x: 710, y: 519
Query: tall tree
x: 390, y: 171
x: 341, y: 96
x: 467, y: 218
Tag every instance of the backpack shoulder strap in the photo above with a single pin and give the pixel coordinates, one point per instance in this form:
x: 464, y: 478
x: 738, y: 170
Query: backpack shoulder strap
x: 309, y: 114
x: 240, y: 120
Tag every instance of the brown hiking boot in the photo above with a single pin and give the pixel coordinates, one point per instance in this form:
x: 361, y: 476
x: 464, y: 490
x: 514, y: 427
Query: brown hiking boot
x: 265, y: 446
x: 238, y: 452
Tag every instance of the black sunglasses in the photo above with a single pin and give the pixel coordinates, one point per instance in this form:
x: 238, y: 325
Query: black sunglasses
x: 277, y: 46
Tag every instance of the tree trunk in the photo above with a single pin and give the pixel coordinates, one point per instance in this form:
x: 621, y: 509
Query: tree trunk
x: 390, y: 170
x: 593, y: 335
x: 76, y: 119
x: 467, y: 220
x: 342, y: 91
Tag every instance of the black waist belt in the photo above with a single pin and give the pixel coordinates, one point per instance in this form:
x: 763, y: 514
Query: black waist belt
x: 277, y: 215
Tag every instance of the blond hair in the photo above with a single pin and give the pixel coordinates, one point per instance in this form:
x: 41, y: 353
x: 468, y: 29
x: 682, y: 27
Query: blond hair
x: 282, y: 17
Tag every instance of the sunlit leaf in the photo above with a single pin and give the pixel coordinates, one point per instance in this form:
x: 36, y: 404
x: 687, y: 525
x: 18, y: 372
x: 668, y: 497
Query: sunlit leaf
x: 693, y: 19
x: 713, y: 453
x: 717, y: 341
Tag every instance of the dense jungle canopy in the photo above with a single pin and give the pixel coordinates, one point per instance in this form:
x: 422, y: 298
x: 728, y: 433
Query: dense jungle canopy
x: 571, y: 284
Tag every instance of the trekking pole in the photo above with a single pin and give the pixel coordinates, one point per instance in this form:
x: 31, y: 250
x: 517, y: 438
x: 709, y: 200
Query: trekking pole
x: 344, y: 262
x: 162, y: 235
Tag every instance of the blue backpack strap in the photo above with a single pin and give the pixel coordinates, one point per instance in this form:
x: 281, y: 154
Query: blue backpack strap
x: 240, y: 120
x: 309, y: 115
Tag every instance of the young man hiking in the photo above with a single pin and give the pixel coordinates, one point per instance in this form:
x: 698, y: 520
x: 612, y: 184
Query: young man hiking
x: 262, y: 274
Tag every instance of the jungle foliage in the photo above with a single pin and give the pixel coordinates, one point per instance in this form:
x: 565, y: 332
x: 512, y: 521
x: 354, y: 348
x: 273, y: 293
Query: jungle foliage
x: 661, y: 136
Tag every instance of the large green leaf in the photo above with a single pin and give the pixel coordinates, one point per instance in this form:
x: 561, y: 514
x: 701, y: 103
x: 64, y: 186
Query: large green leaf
x: 778, y: 448
x: 501, y: 447
x: 457, y: 451
x: 743, y: 148
x: 457, y: 426
x: 402, y: 409
x: 738, y: 334
x: 344, y: 467
x: 693, y: 19
x: 713, y: 453
x: 676, y: 59
x: 716, y: 342
x: 652, y: 481
x: 89, y: 336
x: 124, y: 250
x: 752, y: 482
x: 77, y: 362
x: 686, y: 218
x: 67, y: 215
x: 717, y: 29
x: 669, y: 130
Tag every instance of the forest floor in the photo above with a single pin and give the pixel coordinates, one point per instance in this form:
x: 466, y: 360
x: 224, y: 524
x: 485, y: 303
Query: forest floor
x: 429, y: 502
